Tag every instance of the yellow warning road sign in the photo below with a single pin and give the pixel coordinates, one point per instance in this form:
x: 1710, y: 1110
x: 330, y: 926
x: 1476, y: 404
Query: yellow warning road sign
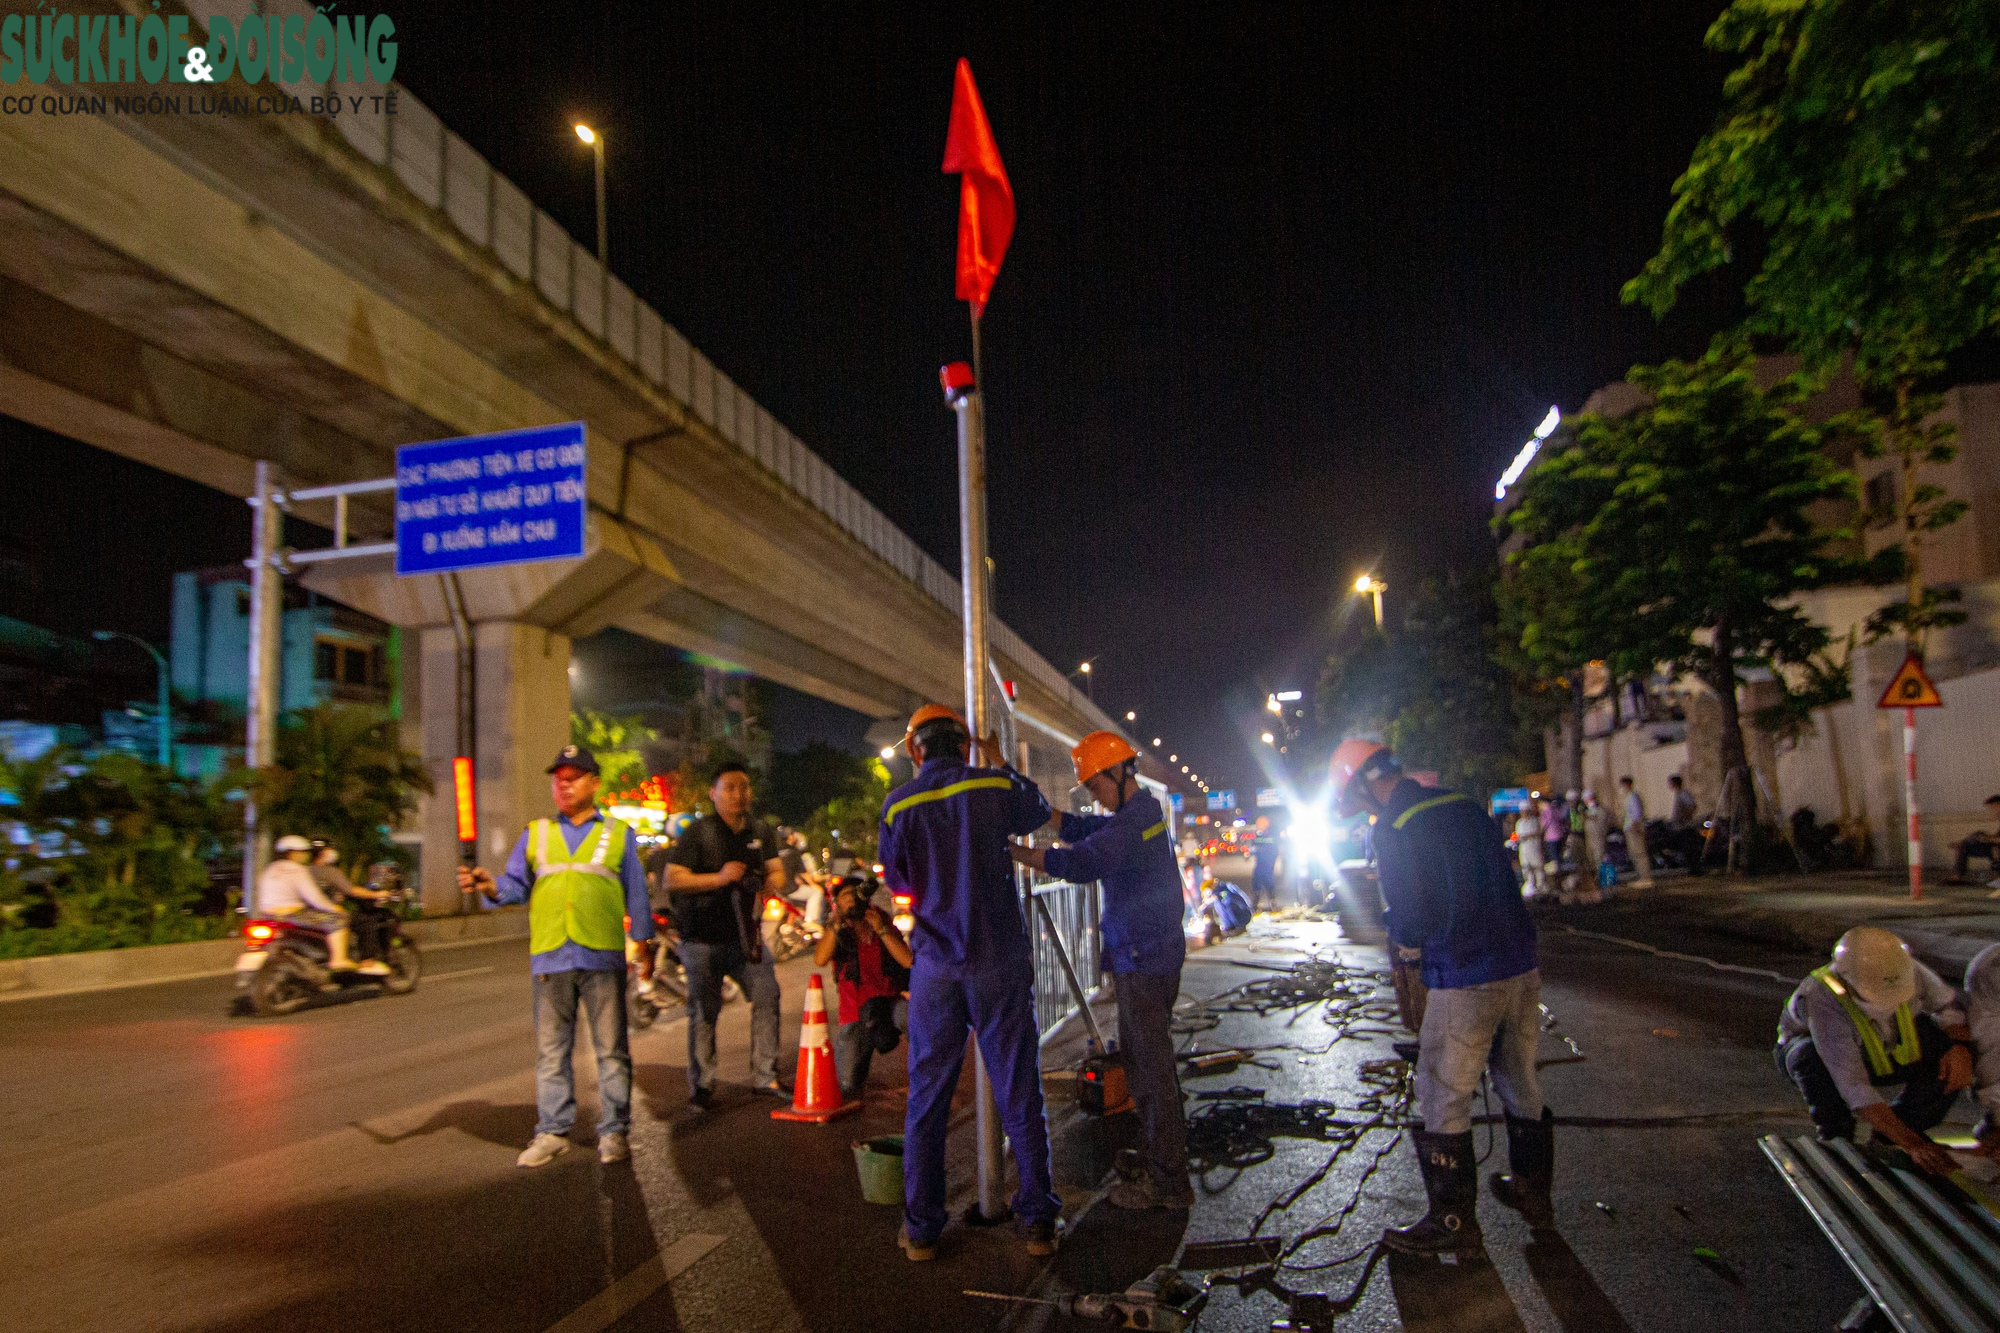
x: 1911, y: 688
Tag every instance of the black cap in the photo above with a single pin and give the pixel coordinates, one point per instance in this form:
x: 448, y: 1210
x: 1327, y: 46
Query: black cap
x: 576, y: 757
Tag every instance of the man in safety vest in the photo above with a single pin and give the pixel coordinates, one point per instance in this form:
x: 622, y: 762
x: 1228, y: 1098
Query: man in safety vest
x: 944, y: 842
x: 1454, y: 908
x: 581, y: 876
x: 1130, y: 852
x: 1872, y: 1019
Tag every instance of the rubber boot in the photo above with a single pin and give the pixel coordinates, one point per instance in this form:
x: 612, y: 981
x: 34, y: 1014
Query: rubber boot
x: 1451, y: 1180
x: 1531, y: 1152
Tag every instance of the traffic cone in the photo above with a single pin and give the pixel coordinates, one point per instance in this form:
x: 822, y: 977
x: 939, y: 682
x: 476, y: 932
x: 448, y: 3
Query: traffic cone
x: 815, y: 1085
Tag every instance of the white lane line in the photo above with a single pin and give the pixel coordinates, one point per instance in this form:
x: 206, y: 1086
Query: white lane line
x: 607, y: 1307
x: 462, y: 972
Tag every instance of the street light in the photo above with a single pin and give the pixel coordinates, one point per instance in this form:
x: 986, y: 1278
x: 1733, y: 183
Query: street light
x: 1088, y: 689
x: 1156, y: 742
x: 595, y: 138
x: 1368, y: 584
x: 1271, y: 705
x: 1131, y: 716
x: 1269, y: 739
x: 888, y: 753
x: 166, y: 719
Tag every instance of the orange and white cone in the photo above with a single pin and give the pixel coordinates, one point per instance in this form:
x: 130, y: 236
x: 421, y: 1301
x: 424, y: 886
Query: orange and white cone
x: 815, y: 1084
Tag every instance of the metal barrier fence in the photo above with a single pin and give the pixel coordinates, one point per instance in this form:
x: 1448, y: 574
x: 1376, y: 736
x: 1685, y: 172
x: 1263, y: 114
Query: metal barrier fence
x: 1073, y: 909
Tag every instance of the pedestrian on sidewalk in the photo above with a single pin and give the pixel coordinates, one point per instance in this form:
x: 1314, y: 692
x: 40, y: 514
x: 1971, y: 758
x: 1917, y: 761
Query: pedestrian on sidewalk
x: 1981, y: 844
x: 581, y: 876
x: 716, y: 875
x: 1684, y: 826
x: 1555, y: 832
x: 1452, y: 898
x: 1872, y: 1019
x: 1634, y: 812
x: 871, y: 976
x: 1144, y: 946
x: 944, y: 842
x: 1596, y: 844
x: 1528, y: 846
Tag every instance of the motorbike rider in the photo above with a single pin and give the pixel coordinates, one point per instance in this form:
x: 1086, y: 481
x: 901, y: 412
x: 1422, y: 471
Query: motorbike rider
x: 286, y: 891
x: 368, y: 922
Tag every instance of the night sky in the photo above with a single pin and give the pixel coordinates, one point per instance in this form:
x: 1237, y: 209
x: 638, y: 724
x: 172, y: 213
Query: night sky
x: 1288, y: 289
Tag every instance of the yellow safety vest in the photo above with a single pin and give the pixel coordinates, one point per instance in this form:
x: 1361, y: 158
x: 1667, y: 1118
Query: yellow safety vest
x: 581, y: 899
x: 1907, y: 1047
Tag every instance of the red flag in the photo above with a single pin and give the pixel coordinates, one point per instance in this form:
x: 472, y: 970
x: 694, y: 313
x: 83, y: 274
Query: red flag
x: 985, y: 199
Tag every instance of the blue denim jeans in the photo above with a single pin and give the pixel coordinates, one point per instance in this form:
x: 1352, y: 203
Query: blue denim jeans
x: 600, y: 996
x: 707, y: 965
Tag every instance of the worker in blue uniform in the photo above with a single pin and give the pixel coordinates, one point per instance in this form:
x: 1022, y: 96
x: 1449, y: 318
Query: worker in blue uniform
x: 1454, y: 903
x: 1131, y: 853
x: 944, y: 842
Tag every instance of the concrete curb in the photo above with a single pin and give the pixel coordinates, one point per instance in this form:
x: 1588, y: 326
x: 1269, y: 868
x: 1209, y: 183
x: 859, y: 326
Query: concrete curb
x: 112, y: 969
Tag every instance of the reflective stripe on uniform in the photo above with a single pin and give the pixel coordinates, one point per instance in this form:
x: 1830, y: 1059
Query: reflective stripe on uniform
x: 1908, y: 1047
x: 955, y: 789
x: 1422, y: 806
x: 1154, y: 831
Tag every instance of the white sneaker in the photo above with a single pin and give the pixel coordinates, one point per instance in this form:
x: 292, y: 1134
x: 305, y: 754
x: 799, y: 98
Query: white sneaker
x: 613, y: 1148
x: 374, y: 967
x: 545, y: 1149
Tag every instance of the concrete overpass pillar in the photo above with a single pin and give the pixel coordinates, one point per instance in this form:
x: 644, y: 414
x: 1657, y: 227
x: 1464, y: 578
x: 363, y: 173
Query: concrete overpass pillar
x: 523, y: 719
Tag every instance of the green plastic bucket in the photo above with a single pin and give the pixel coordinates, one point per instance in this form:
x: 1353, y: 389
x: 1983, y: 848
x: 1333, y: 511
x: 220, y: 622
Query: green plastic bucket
x: 880, y: 1163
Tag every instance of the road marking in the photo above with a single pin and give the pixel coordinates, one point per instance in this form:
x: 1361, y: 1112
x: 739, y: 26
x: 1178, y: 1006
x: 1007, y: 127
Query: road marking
x: 607, y: 1307
x: 462, y: 972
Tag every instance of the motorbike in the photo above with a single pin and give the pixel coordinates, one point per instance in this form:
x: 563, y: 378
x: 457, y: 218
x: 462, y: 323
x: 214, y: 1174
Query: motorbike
x: 283, y: 966
x: 645, y: 1000
x: 786, y: 934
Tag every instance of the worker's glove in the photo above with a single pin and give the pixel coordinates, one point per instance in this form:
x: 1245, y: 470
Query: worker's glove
x: 1956, y: 1068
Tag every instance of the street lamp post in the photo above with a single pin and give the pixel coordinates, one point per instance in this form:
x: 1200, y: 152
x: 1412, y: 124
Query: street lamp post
x: 166, y: 719
x: 1089, y: 692
x: 1367, y: 584
x: 595, y: 138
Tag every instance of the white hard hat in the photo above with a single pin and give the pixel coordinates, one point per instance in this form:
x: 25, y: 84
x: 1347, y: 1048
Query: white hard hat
x: 1877, y: 966
x: 292, y: 842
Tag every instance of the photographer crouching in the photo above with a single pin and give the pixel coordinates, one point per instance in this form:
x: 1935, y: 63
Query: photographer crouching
x: 871, y: 971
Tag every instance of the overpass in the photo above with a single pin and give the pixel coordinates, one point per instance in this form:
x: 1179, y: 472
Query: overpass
x: 200, y: 291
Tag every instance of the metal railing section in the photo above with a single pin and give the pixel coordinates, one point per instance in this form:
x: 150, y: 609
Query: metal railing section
x: 1073, y: 909
x: 1928, y: 1259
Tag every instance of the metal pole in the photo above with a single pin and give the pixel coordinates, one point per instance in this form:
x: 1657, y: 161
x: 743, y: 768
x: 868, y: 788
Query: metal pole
x: 972, y: 571
x: 166, y: 710
x: 467, y: 681
x: 1910, y: 802
x: 603, y: 227
x: 260, y: 721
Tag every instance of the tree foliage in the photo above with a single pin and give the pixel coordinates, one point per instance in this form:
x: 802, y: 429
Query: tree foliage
x: 805, y: 779
x: 1859, y: 142
x: 1433, y: 690
x: 618, y: 744
x: 342, y: 775
x: 117, y: 847
x: 1685, y: 527
x: 855, y: 815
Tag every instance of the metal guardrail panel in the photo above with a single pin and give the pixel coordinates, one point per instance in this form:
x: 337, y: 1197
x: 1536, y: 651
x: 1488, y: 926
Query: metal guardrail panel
x: 1930, y: 1261
x: 1074, y: 909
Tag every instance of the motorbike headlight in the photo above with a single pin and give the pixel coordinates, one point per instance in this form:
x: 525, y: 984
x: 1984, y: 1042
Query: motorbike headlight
x: 773, y: 910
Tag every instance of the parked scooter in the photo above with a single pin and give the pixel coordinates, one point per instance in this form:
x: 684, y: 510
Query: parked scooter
x: 283, y: 966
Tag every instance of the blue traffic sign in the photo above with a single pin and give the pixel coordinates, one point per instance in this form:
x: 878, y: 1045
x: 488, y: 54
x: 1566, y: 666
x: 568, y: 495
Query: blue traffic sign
x: 1222, y: 800
x: 490, y: 500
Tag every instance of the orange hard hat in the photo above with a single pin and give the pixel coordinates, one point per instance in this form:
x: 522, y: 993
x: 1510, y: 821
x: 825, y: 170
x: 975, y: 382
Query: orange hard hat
x: 1099, y: 751
x: 931, y: 713
x: 1354, y: 757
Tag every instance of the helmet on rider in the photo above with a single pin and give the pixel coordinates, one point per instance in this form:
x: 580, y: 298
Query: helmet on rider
x: 1877, y: 967
x: 292, y: 843
x: 1356, y: 763
x: 938, y: 729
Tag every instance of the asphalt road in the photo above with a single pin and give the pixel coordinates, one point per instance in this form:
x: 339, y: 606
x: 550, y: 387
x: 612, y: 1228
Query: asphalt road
x: 170, y: 1167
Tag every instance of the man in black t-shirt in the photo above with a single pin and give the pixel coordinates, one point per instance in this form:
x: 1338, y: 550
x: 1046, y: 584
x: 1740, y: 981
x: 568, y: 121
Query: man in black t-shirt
x: 714, y: 876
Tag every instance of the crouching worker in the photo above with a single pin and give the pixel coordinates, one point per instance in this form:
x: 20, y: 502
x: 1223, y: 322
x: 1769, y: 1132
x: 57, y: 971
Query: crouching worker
x: 871, y: 972
x: 1874, y: 1019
